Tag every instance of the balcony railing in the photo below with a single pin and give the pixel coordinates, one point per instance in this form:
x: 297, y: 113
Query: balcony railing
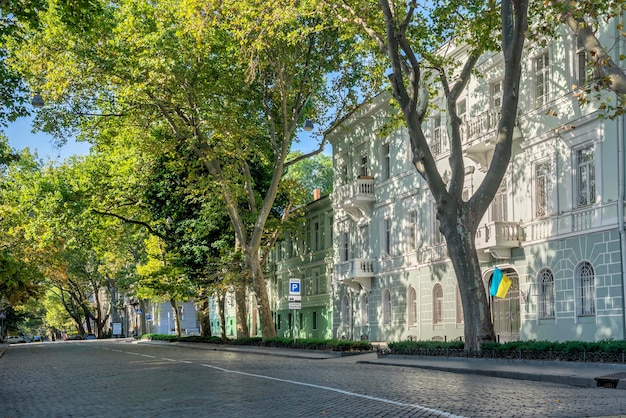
x: 480, y: 125
x: 495, y: 235
x: 356, y: 197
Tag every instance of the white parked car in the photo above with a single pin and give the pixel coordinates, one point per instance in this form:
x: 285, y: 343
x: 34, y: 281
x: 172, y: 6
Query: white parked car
x: 14, y: 339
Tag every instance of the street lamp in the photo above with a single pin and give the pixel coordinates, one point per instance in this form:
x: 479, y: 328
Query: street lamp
x: 37, y: 101
x: 308, y: 125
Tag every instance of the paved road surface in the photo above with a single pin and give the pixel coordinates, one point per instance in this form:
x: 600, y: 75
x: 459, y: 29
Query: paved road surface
x: 120, y: 379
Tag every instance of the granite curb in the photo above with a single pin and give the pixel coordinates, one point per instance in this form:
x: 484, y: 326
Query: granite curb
x: 3, y: 347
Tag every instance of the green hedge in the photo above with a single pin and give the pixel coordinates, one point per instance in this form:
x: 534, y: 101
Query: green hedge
x: 282, y: 342
x: 605, y: 346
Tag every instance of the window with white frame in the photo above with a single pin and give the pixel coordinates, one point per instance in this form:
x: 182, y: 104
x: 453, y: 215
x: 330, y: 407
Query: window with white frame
x: 412, y: 305
x: 364, y: 309
x: 542, y: 188
x: 345, y: 246
x: 585, y: 175
x: 460, y: 316
x: 387, y: 237
x: 314, y: 320
x: 363, y: 165
x: 437, y: 304
x: 541, y: 71
x: 412, y: 230
x: 437, y: 144
x: 586, y: 289
x: 345, y: 311
x: 364, y: 235
x: 386, y: 307
x: 461, y: 109
x: 496, y: 95
x: 545, y: 285
x: 386, y: 161
x: 436, y: 235
x: 316, y: 284
x: 343, y: 173
x: 499, y: 204
x: 316, y: 235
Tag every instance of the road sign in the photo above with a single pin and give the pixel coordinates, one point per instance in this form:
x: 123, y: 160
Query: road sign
x: 294, y: 287
x: 148, y: 317
x: 295, y: 305
x: 294, y: 298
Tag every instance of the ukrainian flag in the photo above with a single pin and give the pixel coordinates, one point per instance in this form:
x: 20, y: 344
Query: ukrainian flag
x: 500, y: 283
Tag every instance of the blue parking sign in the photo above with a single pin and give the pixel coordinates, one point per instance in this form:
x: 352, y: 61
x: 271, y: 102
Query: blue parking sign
x: 294, y: 286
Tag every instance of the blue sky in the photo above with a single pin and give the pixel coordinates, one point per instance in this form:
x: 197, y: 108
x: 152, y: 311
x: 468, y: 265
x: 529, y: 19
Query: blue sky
x: 21, y: 136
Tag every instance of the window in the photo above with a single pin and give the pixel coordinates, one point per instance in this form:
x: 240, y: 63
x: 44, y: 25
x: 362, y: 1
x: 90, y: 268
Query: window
x: 314, y: 320
x: 437, y: 146
x: 323, y: 243
x: 343, y: 172
x: 316, y: 283
x: 412, y: 230
x: 437, y: 304
x: 345, y: 247
x: 364, y: 309
x: 300, y: 320
x: 545, y: 284
x: 279, y: 285
x: 541, y: 69
x: 460, y: 316
x: 498, y: 205
x: 363, y: 166
x: 345, y: 311
x: 586, y: 176
x: 278, y: 321
x: 386, y: 162
x: 461, y: 109
x: 542, y: 183
x: 496, y: 95
x: 437, y: 236
x: 412, y: 302
x: 290, y: 321
x: 386, y: 307
x: 387, y: 237
x: 585, y: 281
x: 316, y: 244
x: 364, y: 233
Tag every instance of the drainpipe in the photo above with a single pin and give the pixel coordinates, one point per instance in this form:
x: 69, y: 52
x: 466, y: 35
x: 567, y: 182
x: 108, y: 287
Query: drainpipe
x: 620, y: 203
x: 620, y: 212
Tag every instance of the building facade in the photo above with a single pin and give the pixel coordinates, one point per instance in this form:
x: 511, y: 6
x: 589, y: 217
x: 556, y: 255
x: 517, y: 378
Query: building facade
x: 555, y: 227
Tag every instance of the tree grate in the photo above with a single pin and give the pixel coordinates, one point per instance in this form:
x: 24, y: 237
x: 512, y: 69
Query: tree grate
x: 609, y: 381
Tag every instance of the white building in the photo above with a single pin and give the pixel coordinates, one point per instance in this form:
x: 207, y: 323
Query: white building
x: 556, y: 227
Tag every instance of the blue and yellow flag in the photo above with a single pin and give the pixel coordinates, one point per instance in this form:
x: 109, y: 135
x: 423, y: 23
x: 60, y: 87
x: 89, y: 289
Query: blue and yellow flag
x: 500, y: 283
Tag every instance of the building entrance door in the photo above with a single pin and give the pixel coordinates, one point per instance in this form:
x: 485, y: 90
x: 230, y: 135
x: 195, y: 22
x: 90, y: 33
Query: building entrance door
x: 505, y: 312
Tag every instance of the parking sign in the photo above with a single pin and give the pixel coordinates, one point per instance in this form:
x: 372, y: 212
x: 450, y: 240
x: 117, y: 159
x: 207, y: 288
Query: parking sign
x: 294, y: 287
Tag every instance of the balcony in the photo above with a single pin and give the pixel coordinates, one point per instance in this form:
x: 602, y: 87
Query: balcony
x: 356, y: 197
x: 497, y: 238
x: 479, y: 137
x: 355, y: 272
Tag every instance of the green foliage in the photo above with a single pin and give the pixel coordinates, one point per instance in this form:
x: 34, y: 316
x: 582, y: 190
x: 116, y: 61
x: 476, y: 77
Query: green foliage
x: 402, y: 346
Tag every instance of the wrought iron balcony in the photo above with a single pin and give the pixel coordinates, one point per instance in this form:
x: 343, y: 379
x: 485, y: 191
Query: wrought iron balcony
x: 355, y: 272
x: 356, y: 197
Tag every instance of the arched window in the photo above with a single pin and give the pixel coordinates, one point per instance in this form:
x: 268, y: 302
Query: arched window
x: 412, y: 302
x: 345, y: 311
x: 545, y: 285
x: 586, y: 289
x: 364, y: 309
x: 386, y: 307
x: 460, y: 317
x: 437, y: 304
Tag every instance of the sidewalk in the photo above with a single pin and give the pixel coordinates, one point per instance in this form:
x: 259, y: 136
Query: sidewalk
x: 566, y: 373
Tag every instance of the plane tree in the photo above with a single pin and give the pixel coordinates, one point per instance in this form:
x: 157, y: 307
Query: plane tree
x: 232, y: 82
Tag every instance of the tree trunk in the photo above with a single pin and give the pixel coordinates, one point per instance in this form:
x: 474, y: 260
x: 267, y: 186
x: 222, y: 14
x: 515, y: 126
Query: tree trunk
x: 176, y: 317
x: 460, y: 237
x: 260, y: 289
x: 205, y: 318
x: 242, y: 311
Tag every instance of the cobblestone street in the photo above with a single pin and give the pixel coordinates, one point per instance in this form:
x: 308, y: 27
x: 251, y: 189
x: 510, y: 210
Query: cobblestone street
x: 119, y: 379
